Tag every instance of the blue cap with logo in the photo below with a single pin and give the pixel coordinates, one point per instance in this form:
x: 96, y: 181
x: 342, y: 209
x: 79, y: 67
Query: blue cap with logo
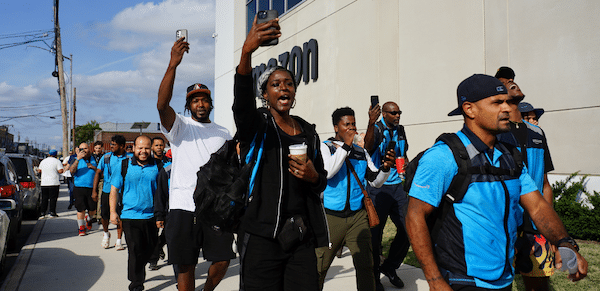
x: 475, y: 88
x: 52, y: 152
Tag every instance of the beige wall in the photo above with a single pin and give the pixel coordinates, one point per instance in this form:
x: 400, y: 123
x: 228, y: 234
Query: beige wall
x: 416, y: 52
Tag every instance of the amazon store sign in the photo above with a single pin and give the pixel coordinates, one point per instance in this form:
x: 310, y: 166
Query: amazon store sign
x: 304, y: 62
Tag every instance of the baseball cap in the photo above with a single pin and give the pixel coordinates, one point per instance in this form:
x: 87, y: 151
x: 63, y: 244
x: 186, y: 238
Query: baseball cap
x: 197, y: 88
x: 505, y: 72
x: 475, y: 88
x: 526, y: 107
x: 52, y: 152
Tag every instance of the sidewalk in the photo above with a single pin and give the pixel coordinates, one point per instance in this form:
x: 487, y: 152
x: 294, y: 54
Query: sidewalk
x: 55, y: 258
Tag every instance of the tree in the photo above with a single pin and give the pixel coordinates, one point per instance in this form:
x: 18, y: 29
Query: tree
x: 85, y: 133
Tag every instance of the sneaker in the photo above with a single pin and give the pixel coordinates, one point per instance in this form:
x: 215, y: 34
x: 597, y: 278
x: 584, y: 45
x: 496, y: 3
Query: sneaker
x: 119, y: 247
x: 391, y: 274
x: 70, y: 206
x: 42, y: 216
x: 82, y: 230
x: 89, y: 225
x: 161, y: 255
x: 53, y: 215
x: 105, y: 241
x: 153, y: 266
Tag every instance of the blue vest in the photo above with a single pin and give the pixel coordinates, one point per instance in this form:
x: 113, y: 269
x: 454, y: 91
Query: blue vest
x: 343, y: 189
x: 401, y: 146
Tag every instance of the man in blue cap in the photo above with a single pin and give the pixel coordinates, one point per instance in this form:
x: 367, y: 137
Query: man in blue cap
x: 51, y: 168
x: 475, y: 246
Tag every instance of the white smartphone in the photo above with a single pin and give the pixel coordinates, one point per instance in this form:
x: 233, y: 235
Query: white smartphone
x: 182, y: 33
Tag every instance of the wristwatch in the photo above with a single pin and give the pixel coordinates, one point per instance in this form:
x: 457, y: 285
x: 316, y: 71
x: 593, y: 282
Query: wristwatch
x: 568, y: 240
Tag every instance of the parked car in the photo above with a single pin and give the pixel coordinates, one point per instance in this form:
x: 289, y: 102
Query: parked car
x: 4, y: 228
x: 30, y: 181
x: 11, y: 198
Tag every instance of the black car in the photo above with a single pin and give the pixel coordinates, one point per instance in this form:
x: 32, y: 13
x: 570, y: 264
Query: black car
x: 10, y: 198
x: 30, y: 181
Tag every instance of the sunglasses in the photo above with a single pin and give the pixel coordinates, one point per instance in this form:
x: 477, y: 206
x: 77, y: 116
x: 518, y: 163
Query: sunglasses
x: 394, y: 112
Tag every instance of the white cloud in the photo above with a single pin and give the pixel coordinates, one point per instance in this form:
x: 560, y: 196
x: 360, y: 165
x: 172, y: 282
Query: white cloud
x: 141, y: 25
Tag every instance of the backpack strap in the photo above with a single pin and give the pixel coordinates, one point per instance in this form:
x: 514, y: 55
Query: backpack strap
x: 107, y: 162
x: 459, y: 184
x: 124, y: 166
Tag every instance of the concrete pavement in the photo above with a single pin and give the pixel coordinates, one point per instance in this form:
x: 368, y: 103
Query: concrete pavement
x: 56, y: 258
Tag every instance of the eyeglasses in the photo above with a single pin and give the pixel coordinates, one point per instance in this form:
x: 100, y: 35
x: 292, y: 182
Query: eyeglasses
x: 394, y: 112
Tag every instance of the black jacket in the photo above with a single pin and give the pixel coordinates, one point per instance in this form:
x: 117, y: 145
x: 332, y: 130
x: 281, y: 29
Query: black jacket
x: 263, y: 218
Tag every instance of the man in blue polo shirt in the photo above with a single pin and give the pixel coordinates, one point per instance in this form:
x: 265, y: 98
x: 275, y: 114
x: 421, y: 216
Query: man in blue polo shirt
x: 83, y: 171
x: 108, y: 163
x: 475, y: 246
x: 137, y: 208
x: 531, y: 140
x: 390, y: 199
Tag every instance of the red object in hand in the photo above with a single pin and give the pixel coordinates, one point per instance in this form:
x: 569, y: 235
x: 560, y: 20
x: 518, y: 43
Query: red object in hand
x: 400, y: 165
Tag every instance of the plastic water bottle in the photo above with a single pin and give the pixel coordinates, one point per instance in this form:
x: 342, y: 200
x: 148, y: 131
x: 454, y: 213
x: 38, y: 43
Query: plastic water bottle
x: 569, y: 260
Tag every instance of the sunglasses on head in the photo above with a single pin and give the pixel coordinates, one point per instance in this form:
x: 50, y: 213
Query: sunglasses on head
x: 394, y: 112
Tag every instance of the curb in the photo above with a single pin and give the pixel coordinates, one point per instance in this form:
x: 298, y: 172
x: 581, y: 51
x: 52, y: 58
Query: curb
x: 14, y: 277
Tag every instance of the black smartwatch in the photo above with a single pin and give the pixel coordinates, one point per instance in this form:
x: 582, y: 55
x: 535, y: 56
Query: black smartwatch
x: 568, y: 240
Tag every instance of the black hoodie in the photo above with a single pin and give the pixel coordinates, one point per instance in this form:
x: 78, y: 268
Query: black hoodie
x: 264, y: 217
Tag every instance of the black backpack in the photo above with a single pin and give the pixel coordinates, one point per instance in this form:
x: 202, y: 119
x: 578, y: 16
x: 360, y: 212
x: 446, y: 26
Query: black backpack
x: 460, y: 183
x: 225, y: 183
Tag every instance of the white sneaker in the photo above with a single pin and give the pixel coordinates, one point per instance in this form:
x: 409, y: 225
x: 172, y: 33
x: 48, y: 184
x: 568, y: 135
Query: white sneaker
x: 119, y: 247
x: 105, y: 241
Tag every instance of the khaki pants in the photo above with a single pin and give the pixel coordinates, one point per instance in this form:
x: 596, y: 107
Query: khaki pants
x: 354, y: 232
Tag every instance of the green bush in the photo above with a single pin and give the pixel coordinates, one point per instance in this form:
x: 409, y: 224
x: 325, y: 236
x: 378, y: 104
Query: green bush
x: 581, y: 222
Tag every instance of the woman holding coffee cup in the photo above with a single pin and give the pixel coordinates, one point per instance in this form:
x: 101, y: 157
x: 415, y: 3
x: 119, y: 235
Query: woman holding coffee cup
x: 284, y: 221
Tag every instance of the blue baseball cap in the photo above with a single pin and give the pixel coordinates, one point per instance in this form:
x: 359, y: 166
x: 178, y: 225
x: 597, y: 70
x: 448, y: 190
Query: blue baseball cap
x: 475, y: 88
x: 52, y: 152
x: 526, y: 107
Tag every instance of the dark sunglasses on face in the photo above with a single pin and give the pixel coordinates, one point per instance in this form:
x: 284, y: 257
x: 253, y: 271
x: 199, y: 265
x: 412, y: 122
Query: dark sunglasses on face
x: 394, y: 112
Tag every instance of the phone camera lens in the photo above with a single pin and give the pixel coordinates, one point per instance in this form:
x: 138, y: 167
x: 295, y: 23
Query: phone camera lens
x: 262, y: 14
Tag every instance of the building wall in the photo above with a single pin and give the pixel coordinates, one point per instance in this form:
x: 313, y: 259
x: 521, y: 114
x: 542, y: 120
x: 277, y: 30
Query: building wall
x: 415, y: 53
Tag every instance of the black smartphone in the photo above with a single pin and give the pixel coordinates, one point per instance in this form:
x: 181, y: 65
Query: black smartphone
x: 374, y: 100
x: 391, y: 146
x: 264, y: 16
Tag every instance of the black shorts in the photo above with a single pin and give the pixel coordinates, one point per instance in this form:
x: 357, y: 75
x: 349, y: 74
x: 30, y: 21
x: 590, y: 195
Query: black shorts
x: 184, y: 240
x: 104, y: 206
x: 83, y: 199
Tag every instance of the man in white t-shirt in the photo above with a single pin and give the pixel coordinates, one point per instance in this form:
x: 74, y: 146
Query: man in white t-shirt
x: 51, y: 168
x: 193, y: 139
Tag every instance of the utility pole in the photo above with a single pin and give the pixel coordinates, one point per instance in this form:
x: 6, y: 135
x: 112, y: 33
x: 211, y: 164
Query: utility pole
x: 73, y: 109
x: 61, y: 83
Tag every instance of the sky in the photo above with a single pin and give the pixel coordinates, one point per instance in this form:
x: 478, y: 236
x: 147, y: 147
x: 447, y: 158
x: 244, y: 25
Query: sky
x: 120, y: 50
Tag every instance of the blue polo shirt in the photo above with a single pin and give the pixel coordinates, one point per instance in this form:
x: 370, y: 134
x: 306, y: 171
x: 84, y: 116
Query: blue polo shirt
x: 484, y: 223
x: 107, y: 169
x: 84, y: 176
x: 138, y: 189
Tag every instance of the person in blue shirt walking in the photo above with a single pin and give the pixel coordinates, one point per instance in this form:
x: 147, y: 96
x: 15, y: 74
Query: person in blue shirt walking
x: 390, y: 199
x: 475, y: 246
x: 343, y: 198
x: 83, y: 171
x: 108, y: 163
x: 137, y: 208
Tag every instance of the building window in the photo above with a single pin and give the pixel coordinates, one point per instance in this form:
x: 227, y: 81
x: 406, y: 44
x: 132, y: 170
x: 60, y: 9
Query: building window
x: 282, y: 7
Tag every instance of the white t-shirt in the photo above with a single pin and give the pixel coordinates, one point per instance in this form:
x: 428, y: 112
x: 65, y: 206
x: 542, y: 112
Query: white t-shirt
x: 50, y: 167
x: 192, y: 143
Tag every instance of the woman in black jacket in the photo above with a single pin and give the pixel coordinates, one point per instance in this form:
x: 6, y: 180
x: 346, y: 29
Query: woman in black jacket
x: 286, y: 187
